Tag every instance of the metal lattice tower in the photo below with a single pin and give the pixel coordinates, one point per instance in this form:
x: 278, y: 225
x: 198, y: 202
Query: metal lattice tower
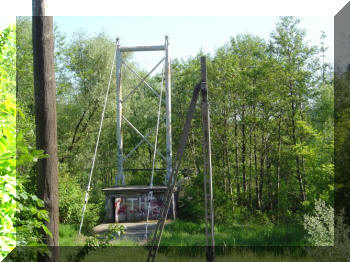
x: 121, y: 158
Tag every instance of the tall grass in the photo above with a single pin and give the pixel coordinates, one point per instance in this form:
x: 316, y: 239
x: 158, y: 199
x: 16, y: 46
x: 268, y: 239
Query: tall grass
x: 184, y: 241
x: 135, y: 254
x: 68, y: 236
x: 182, y: 233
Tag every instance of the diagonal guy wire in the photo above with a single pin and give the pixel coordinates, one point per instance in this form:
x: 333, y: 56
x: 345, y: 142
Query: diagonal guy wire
x: 96, y: 147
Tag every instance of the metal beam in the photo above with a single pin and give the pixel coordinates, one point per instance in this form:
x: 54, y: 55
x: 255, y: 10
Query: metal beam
x: 120, y: 176
x: 143, y: 48
x: 167, y: 102
x: 169, y: 151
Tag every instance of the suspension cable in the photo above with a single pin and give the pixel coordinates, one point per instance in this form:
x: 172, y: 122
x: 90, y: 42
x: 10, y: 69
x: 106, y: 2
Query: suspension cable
x: 97, y: 142
x: 150, y: 194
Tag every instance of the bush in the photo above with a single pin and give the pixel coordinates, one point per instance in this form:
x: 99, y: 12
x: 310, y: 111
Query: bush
x: 71, y: 201
x: 7, y: 180
x: 91, y: 217
x: 260, y: 218
x: 20, y: 208
x: 320, y: 226
x: 190, y: 203
x: 340, y: 252
x: 93, y: 242
x: 7, y: 141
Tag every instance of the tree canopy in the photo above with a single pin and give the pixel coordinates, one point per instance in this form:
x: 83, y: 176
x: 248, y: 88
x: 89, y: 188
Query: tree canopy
x: 272, y: 118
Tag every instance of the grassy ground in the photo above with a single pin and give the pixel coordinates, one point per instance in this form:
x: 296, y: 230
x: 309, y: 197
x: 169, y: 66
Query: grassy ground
x: 182, y: 233
x: 68, y: 236
x: 135, y: 254
x: 183, y: 241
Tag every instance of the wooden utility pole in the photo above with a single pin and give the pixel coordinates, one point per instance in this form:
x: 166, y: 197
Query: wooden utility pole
x: 45, y: 120
x: 208, y: 173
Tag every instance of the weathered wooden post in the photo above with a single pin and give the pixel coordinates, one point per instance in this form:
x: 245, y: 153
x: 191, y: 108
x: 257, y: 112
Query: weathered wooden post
x: 45, y: 120
x: 208, y: 176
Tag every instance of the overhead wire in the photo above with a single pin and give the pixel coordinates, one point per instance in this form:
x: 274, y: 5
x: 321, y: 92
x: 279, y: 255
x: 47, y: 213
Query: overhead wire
x: 97, y: 142
x: 150, y: 194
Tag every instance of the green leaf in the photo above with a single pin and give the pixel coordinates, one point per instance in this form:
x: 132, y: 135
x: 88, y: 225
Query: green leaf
x: 47, y: 231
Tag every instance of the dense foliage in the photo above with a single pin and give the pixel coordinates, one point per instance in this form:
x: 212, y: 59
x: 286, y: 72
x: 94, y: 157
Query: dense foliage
x: 7, y: 141
x: 22, y: 213
x: 271, y: 124
x: 272, y: 128
x: 320, y: 226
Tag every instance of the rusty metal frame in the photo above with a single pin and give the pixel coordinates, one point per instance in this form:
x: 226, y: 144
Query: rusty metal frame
x: 120, y: 179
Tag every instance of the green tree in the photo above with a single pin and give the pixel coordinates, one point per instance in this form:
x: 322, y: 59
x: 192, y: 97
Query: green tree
x: 7, y: 141
x: 22, y: 213
x: 289, y: 47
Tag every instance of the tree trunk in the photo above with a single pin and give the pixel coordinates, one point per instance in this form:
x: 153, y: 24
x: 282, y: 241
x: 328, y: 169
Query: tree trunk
x: 261, y: 179
x: 297, y: 159
x: 236, y: 162
x: 250, y: 173
x: 278, y: 168
x: 294, y: 137
x: 229, y: 174
x: 269, y: 184
x: 45, y: 120
x: 243, y: 157
x: 258, y: 201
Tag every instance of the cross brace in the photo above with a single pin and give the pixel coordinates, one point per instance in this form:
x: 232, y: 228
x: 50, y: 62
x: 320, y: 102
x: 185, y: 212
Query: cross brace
x: 142, y: 80
x: 143, y: 137
x: 141, y: 141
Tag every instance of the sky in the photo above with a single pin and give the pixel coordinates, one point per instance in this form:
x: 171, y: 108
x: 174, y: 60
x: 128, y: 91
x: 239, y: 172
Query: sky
x: 192, y: 25
x: 188, y: 34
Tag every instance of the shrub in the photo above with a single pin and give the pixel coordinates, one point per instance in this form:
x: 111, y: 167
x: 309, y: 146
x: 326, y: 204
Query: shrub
x: 71, y: 201
x: 340, y: 252
x: 7, y: 140
x: 93, y: 242
x: 20, y: 208
x: 320, y: 225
